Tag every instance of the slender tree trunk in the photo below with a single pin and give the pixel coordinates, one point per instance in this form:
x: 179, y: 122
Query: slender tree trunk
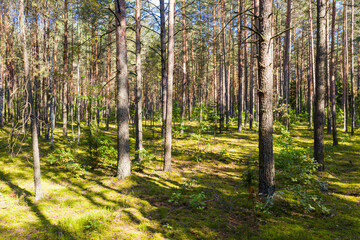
x: 332, y: 75
x: 287, y: 59
x: 167, y: 149
x: 240, y: 66
x: 184, y: 65
x: 352, y: 73
x: 65, y: 70
x: 265, y: 92
x: 319, y: 120
x: 1, y: 93
x: 139, y: 88
x: 215, y: 67
x: 225, y: 82
x: 311, y: 67
x: 30, y: 101
x: 122, y: 98
x: 163, y: 64
x: 345, y: 68
x: 328, y: 107
x: 108, y: 76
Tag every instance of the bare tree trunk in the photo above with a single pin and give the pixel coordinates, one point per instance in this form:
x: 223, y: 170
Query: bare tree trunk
x: 352, y: 73
x: 265, y: 92
x: 287, y: 59
x: 328, y: 107
x: 184, y: 65
x: 65, y: 70
x: 319, y: 120
x: 108, y: 76
x: 215, y: 67
x: 240, y: 66
x: 345, y: 69
x: 30, y: 101
x: 167, y: 149
x: 225, y: 82
x: 332, y: 75
x: 139, y: 88
x: 163, y: 64
x: 1, y: 93
x: 122, y: 98
x: 311, y: 67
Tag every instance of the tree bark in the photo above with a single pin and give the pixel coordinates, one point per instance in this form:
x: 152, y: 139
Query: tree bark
x: 184, y: 66
x: 122, y: 98
x: 65, y: 70
x: 332, y: 75
x: 311, y: 82
x: 240, y: 66
x: 30, y: 103
x: 163, y: 64
x: 265, y: 92
x: 139, y: 88
x: 345, y: 68
x: 287, y: 59
x: 167, y: 148
x: 352, y: 73
x: 319, y: 120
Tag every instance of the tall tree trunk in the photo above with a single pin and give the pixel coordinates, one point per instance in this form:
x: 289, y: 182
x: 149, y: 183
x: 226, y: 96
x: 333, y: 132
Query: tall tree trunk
x: 139, y: 88
x: 1, y: 92
x: 345, y: 68
x: 287, y: 59
x: 30, y: 101
x: 332, y: 75
x: 225, y: 80
x: 184, y: 65
x: 319, y: 120
x: 108, y: 76
x: 167, y: 149
x: 328, y: 107
x: 352, y: 73
x: 265, y: 92
x: 122, y: 98
x: 52, y: 93
x: 240, y: 66
x: 163, y: 64
x: 215, y: 67
x: 311, y: 67
x: 65, y: 70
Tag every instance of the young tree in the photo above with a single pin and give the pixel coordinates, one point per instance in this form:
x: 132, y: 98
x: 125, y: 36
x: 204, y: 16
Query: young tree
x: 167, y: 149
x: 265, y: 92
x: 122, y: 98
x: 30, y: 104
x: 319, y: 120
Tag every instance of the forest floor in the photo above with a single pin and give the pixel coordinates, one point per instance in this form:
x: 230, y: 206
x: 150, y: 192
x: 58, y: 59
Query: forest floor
x: 204, y: 197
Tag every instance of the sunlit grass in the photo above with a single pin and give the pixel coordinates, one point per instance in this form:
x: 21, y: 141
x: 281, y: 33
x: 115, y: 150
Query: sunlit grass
x: 96, y: 205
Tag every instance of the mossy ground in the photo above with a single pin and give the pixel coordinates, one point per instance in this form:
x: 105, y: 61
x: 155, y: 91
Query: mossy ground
x: 97, y: 205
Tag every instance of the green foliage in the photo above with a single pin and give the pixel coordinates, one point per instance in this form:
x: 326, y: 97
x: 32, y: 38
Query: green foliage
x: 66, y: 159
x: 99, y: 148
x: 175, y: 198
x: 297, y: 171
x: 196, y: 200
x: 92, y: 224
x: 147, y: 159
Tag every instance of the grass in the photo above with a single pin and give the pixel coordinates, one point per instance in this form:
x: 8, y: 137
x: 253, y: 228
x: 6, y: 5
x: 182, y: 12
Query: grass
x: 210, y: 200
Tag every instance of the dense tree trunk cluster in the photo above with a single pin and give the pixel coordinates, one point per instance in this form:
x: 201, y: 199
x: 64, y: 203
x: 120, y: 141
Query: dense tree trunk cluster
x: 251, y: 62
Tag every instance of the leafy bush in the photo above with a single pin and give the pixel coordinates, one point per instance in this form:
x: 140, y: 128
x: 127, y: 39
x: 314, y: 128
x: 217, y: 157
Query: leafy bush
x: 196, y: 200
x: 146, y: 157
x: 66, y: 159
x: 296, y: 170
x: 100, y: 149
